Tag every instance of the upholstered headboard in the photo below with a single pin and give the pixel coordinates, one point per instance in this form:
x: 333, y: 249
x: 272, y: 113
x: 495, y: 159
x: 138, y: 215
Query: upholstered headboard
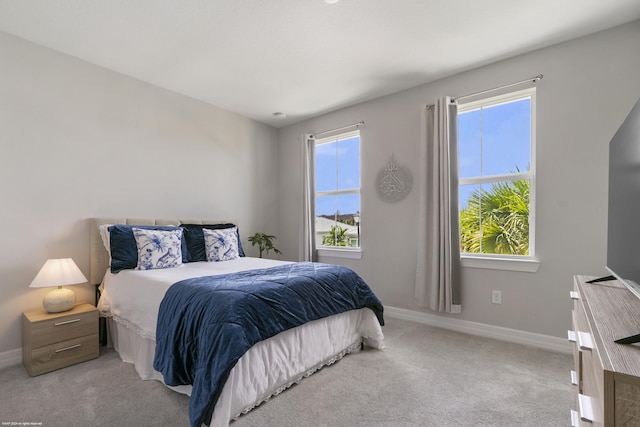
x: 100, y: 256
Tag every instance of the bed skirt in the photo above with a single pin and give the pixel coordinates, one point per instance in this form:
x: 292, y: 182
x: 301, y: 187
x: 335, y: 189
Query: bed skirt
x: 270, y: 366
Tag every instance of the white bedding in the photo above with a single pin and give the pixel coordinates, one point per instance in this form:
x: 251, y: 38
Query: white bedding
x: 132, y: 298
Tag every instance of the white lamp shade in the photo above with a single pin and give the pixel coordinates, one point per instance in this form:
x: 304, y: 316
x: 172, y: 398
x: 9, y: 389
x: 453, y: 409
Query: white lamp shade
x: 58, y: 272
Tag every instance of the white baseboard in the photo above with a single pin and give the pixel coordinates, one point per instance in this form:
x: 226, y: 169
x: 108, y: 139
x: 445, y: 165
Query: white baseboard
x: 547, y: 342
x: 562, y: 345
x: 10, y: 358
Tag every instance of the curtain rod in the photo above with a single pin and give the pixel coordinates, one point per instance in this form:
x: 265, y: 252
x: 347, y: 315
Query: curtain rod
x: 532, y: 80
x: 340, y: 128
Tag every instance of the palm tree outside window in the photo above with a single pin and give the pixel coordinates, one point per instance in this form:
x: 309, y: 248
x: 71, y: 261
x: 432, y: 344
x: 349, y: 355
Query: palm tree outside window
x: 496, y: 140
x: 337, y: 191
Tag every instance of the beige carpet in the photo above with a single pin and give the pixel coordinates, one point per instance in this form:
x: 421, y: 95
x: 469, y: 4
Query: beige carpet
x: 425, y: 377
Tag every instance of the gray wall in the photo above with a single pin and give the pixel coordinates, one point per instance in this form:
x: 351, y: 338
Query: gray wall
x: 589, y: 86
x: 78, y: 141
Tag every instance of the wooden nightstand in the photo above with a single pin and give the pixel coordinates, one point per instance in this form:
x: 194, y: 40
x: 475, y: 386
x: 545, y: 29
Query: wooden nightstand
x: 52, y: 341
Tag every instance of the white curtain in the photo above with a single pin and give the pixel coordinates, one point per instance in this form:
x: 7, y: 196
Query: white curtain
x: 308, y: 225
x: 438, y: 263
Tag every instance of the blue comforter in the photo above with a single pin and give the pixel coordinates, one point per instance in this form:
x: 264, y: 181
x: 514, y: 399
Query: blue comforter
x: 206, y: 324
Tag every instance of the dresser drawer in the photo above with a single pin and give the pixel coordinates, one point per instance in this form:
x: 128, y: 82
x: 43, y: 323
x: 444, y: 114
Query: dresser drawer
x: 608, y: 373
x: 577, y: 354
x: 61, y: 328
x: 580, y: 322
x: 62, y: 354
x: 592, y: 385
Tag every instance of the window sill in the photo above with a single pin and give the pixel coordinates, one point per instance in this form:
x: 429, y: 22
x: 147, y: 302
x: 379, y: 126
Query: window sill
x: 339, y: 253
x: 528, y: 265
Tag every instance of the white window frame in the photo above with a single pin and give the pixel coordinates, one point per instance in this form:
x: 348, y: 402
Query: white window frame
x: 341, y: 251
x: 526, y: 263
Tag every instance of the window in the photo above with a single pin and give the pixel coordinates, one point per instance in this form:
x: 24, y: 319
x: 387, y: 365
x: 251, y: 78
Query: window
x: 496, y: 140
x: 337, y: 192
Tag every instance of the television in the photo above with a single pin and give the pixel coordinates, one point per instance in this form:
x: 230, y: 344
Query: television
x: 623, y: 231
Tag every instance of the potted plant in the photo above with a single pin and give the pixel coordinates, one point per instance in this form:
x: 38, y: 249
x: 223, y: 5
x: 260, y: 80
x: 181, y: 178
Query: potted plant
x: 264, y: 242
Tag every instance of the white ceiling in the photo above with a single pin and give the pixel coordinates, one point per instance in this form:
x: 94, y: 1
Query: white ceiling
x: 301, y: 57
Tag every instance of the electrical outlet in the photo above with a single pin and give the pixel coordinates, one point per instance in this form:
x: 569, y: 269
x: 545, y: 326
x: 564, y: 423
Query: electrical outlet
x: 496, y: 297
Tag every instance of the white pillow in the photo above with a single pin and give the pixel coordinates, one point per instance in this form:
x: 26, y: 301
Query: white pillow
x: 158, y: 248
x: 104, y: 234
x: 221, y: 244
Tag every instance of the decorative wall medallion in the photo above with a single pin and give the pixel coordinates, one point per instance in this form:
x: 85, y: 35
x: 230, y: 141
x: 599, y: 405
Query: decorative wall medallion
x: 393, y: 182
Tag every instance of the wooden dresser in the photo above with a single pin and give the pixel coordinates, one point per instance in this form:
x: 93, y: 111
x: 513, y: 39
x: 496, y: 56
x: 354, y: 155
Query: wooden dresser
x: 52, y: 341
x: 606, y: 374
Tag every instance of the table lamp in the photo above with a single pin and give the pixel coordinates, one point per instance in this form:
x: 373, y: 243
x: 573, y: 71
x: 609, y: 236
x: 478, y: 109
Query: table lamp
x: 58, y: 272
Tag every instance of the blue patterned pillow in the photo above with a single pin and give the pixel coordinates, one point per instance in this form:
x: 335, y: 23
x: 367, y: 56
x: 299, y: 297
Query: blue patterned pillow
x: 124, y: 251
x: 222, y: 244
x: 194, y: 240
x: 158, y: 248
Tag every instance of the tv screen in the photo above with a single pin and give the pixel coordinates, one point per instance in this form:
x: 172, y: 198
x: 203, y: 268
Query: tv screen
x: 623, y: 238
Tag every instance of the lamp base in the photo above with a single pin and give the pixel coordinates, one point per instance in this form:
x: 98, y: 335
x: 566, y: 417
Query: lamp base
x: 58, y: 300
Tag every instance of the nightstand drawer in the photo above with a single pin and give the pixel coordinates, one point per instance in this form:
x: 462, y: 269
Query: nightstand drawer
x: 52, y: 341
x: 63, y: 354
x: 62, y: 327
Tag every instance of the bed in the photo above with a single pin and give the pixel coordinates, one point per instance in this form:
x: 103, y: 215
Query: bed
x: 131, y: 300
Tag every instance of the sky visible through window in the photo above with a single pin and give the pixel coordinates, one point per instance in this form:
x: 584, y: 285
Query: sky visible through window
x: 344, y: 153
x: 493, y: 141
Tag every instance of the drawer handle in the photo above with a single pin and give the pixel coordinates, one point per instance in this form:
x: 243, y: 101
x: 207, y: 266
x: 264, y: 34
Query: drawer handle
x: 585, y: 408
x: 584, y: 341
x: 60, y: 350
x: 574, y: 377
x: 571, y: 335
x: 66, y: 322
x: 575, y: 420
x: 574, y: 295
